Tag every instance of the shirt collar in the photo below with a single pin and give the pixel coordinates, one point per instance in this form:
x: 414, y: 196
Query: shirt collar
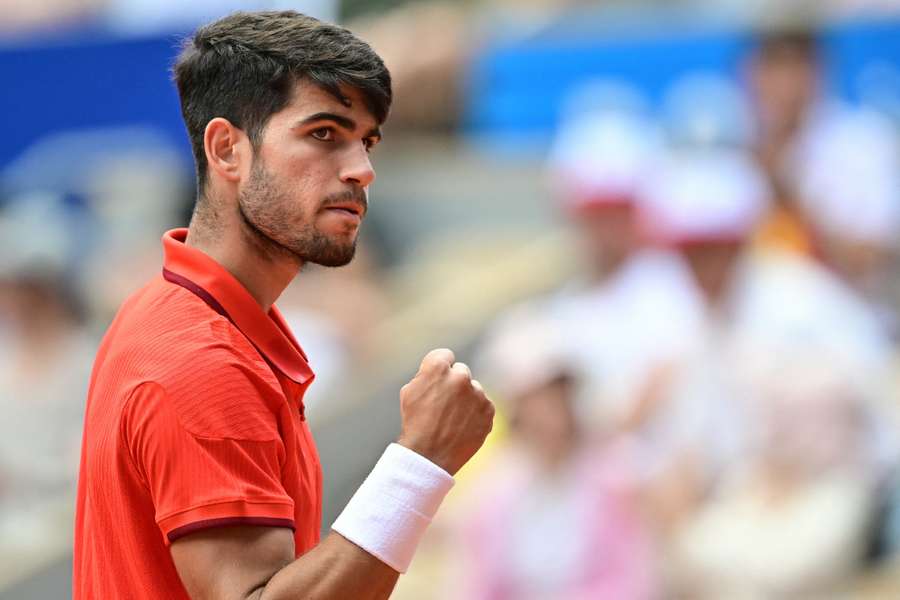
x: 202, y: 275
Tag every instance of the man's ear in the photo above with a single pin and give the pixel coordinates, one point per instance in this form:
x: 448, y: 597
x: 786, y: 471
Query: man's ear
x: 227, y: 149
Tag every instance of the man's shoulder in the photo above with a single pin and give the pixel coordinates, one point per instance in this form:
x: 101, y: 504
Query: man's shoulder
x: 214, y: 408
x: 167, y: 325
x: 170, y: 347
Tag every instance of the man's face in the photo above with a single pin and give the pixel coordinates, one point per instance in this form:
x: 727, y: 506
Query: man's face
x: 785, y: 83
x: 545, y: 419
x: 608, y: 233
x: 306, y: 192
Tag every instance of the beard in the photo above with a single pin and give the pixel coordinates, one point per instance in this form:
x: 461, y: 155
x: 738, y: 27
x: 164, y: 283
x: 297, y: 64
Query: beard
x: 273, y: 227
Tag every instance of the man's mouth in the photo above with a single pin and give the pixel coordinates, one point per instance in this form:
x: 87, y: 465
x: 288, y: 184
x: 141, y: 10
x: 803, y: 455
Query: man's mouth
x: 349, y: 211
x: 351, y: 208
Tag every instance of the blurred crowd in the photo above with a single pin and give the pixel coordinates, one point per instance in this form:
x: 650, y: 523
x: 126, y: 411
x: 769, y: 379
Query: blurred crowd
x: 711, y: 410
x: 144, y: 16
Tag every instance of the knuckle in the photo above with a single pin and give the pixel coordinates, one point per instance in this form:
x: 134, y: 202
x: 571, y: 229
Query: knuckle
x: 435, y: 367
x: 428, y: 371
x: 441, y: 354
x: 462, y: 368
x: 459, y: 381
x: 405, y: 398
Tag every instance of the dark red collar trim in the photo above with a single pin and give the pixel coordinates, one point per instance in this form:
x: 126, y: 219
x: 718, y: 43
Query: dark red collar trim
x: 211, y: 301
x: 197, y: 290
x: 268, y: 332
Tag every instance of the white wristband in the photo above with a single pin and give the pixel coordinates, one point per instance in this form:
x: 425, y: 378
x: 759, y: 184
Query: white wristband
x: 394, y: 506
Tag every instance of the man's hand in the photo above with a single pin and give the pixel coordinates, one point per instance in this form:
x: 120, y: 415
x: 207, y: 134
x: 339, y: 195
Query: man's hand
x: 445, y: 414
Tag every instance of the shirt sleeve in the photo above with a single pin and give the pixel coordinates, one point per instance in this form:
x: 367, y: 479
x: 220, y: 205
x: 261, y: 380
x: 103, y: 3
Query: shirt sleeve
x: 210, y: 475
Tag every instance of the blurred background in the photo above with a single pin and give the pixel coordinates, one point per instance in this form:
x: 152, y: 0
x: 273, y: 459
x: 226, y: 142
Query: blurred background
x: 664, y: 234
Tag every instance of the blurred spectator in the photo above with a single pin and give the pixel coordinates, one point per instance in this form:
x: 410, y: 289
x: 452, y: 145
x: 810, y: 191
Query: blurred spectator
x: 45, y: 358
x: 126, y: 187
x: 73, y: 235
x: 555, y: 516
x: 831, y: 198
x: 761, y: 535
x: 853, y: 201
x: 704, y: 204
x: 783, y: 74
x: 603, y: 150
x: 631, y: 310
x: 426, y: 46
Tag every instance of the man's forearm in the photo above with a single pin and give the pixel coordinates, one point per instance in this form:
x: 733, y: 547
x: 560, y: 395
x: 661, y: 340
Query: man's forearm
x: 337, y: 569
x: 375, y: 536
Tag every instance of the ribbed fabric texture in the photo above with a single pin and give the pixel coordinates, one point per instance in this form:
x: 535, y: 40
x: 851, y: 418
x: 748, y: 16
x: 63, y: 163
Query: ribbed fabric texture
x: 187, y: 427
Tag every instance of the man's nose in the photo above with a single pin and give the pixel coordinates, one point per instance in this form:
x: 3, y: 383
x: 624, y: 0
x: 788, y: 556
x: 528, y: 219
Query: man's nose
x: 358, y: 168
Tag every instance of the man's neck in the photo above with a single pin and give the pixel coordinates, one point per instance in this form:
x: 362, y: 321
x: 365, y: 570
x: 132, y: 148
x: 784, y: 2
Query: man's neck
x: 264, y: 274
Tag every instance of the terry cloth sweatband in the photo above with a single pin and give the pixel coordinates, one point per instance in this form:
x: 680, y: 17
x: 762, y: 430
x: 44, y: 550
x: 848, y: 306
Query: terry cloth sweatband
x: 393, y: 507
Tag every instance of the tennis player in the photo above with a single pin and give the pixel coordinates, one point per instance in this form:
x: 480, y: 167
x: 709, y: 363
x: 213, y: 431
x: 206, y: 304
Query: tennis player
x: 199, y: 477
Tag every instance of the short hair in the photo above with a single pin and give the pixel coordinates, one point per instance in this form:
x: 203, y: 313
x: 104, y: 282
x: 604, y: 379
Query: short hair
x: 243, y: 67
x: 794, y: 42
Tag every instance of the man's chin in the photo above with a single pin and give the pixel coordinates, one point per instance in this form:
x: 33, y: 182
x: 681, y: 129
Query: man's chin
x: 333, y: 260
x: 329, y: 256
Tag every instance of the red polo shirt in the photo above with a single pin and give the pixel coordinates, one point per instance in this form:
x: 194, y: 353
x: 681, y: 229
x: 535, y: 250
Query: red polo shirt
x: 194, y: 420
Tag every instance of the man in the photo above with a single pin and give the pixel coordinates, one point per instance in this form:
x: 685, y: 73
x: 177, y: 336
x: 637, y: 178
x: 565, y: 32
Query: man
x: 619, y: 320
x: 831, y: 199
x: 199, y: 476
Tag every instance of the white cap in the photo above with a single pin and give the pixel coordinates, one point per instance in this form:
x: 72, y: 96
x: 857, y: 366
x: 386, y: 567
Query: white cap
x: 704, y: 195
x: 600, y: 157
x: 851, y: 182
x: 523, y: 351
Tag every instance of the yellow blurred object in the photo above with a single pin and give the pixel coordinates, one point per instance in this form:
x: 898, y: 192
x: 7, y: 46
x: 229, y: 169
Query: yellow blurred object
x: 496, y: 439
x: 783, y: 230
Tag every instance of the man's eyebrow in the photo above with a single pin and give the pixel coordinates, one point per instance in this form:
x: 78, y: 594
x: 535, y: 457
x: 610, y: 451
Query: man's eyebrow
x: 341, y: 120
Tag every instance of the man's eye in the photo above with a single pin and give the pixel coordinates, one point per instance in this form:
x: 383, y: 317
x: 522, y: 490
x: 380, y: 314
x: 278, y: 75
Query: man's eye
x: 323, y: 134
x: 369, y: 143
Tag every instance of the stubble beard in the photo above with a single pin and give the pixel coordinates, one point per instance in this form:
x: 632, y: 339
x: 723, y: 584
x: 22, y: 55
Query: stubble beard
x: 268, y: 224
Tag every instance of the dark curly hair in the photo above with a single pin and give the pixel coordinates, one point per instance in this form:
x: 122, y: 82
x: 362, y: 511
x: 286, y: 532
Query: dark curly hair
x: 243, y: 67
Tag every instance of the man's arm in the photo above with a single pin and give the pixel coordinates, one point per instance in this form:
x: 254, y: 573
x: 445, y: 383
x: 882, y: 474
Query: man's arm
x: 445, y: 418
x: 257, y: 563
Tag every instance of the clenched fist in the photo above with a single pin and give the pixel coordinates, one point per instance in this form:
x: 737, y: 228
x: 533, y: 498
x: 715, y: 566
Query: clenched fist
x: 445, y: 413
